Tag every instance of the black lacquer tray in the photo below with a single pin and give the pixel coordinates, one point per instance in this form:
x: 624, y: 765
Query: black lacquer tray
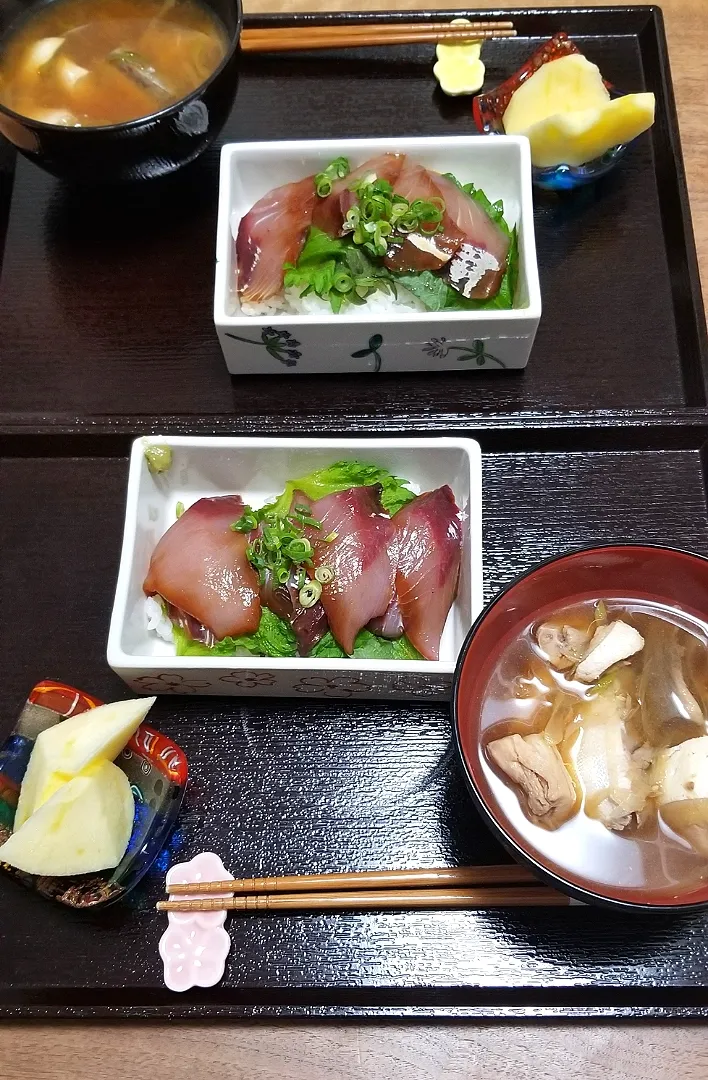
x: 105, y: 332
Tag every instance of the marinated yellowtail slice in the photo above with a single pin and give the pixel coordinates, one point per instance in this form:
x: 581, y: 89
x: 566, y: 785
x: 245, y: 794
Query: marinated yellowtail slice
x: 428, y: 558
x: 353, y: 543
x: 270, y: 234
x: 610, y: 758
x: 200, y: 566
x: 329, y: 213
x: 476, y: 248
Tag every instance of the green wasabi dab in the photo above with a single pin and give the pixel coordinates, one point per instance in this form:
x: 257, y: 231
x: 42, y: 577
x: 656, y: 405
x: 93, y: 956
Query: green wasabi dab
x: 159, y: 458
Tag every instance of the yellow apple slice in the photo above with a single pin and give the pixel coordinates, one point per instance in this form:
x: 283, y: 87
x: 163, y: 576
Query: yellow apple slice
x: 569, y: 84
x: 578, y: 137
x: 63, y: 751
x: 83, y: 828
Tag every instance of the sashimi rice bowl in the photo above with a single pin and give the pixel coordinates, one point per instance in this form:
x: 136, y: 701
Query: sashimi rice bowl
x: 428, y: 241
x: 386, y: 234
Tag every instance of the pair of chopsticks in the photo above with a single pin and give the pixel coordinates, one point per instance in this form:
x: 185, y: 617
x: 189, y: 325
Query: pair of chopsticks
x: 463, y: 887
x: 289, y: 39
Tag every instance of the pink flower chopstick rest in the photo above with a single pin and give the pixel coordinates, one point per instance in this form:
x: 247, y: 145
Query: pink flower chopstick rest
x: 195, y: 945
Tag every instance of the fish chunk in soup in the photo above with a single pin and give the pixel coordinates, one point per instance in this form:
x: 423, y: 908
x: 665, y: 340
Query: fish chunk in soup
x: 88, y: 63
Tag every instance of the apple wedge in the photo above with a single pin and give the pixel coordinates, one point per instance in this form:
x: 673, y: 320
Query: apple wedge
x: 566, y: 112
x: 63, y: 751
x: 84, y: 827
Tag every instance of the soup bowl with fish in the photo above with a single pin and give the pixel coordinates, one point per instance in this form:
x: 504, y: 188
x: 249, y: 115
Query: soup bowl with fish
x: 108, y: 91
x: 580, y: 705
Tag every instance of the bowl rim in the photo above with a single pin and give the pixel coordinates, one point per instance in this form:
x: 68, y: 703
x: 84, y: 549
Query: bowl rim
x: 577, y: 893
x: 127, y: 125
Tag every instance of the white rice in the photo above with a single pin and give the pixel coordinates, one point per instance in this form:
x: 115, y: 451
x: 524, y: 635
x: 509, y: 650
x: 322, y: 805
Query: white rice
x: 157, y: 620
x: 291, y: 303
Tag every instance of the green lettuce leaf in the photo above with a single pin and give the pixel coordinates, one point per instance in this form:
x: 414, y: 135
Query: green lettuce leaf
x: 367, y: 647
x: 342, y: 475
x: 272, y: 638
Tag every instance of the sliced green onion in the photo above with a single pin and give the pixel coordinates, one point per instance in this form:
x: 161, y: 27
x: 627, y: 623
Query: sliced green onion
x: 330, y: 537
x: 343, y: 281
x: 247, y: 522
x: 324, y: 575
x: 324, y: 181
x: 179, y: 509
x: 282, y: 574
x: 310, y: 593
x: 299, y: 550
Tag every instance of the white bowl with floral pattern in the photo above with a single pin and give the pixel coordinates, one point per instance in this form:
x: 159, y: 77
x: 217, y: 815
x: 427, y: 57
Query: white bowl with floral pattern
x: 357, y: 340
x: 258, y: 469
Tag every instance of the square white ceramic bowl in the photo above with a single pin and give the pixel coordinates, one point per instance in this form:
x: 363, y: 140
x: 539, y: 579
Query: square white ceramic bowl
x: 425, y: 341
x: 258, y: 469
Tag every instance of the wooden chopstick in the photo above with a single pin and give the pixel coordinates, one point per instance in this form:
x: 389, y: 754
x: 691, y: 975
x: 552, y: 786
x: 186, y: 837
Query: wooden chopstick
x: 290, y: 39
x: 372, y: 900
x: 385, y: 29
x: 508, y: 874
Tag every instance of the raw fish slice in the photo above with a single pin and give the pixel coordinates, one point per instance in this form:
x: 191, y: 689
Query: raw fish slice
x: 422, y: 251
x: 270, y: 234
x: 200, y: 566
x: 357, y: 555
x: 330, y: 213
x: 390, y: 624
x: 429, y: 532
x: 472, y: 220
x: 309, y: 624
x: 478, y: 267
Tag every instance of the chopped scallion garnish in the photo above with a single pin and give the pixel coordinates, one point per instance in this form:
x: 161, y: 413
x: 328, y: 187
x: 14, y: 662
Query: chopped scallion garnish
x: 310, y: 594
x: 336, y: 170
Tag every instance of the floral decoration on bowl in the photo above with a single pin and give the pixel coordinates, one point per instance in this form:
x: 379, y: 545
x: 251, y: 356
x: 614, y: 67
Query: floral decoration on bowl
x: 488, y: 114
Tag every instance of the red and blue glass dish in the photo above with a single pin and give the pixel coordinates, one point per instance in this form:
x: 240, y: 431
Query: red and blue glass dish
x: 488, y: 113
x: 155, y: 766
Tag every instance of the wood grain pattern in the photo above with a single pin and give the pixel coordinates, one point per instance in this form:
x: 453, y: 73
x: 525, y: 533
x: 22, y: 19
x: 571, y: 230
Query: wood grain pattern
x: 353, y: 1052
x: 385, y: 1052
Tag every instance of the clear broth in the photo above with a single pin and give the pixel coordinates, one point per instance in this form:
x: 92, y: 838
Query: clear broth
x: 644, y: 858
x: 88, y: 63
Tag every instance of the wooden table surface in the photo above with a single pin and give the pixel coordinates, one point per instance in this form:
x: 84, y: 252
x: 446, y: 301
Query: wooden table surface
x: 356, y: 1051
